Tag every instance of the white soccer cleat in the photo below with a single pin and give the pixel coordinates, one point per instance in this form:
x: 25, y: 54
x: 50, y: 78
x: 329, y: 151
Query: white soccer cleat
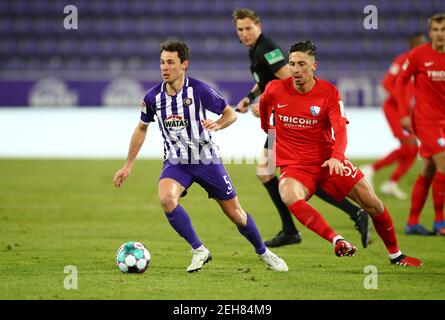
x: 368, y: 171
x: 391, y: 188
x: 273, y: 261
x: 201, y: 256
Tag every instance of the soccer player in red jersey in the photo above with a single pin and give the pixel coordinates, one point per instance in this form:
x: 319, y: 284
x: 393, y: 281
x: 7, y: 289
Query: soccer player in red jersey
x: 427, y: 120
x: 310, y: 145
x: 406, y: 154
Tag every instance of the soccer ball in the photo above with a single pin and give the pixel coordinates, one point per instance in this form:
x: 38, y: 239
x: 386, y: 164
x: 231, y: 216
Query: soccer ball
x: 132, y: 257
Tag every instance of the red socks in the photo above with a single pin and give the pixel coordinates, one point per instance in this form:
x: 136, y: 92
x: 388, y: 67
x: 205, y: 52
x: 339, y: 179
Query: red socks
x: 312, y: 219
x: 418, y: 198
x: 385, y: 229
x: 439, y: 195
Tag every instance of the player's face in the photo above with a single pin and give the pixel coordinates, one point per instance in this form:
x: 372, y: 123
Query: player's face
x: 437, y: 33
x: 248, y: 31
x: 171, y: 67
x: 302, y: 67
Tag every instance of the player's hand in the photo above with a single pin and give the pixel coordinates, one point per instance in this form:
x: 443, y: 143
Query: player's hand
x: 210, y: 125
x: 406, y: 123
x: 243, y: 105
x: 334, y: 166
x: 121, y: 175
x: 256, y: 109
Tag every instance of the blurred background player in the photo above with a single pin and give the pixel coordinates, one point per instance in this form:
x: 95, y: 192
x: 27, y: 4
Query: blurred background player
x: 311, y: 140
x: 427, y: 120
x: 269, y: 63
x: 406, y: 154
x: 190, y: 155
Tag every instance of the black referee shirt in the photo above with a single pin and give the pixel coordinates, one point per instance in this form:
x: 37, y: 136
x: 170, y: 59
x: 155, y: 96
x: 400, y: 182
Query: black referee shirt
x: 266, y: 58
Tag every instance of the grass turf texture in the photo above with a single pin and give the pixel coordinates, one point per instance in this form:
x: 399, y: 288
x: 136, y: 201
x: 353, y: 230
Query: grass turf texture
x: 55, y: 213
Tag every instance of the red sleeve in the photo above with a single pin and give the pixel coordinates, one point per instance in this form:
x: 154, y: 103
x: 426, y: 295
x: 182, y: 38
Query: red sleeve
x: 409, y: 66
x: 389, y: 81
x: 338, y: 120
x: 265, y: 110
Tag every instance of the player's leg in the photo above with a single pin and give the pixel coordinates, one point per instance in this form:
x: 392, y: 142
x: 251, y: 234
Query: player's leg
x: 407, y: 155
x: 247, y: 227
x: 357, y: 214
x: 294, y: 194
x: 289, y: 233
x: 363, y: 194
x: 392, y: 118
x: 438, y: 187
x: 173, y: 183
x: 216, y: 181
x: 419, y: 196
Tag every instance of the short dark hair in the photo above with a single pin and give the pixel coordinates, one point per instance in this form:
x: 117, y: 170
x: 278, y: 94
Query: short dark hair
x: 245, y: 13
x: 177, y: 46
x: 306, y: 47
x: 438, y: 17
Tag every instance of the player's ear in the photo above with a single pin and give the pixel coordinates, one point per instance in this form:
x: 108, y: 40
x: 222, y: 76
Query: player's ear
x: 185, y: 64
x: 315, y: 65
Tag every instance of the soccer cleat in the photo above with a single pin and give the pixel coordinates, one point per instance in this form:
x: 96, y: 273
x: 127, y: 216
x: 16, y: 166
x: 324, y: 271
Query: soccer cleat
x: 439, y: 228
x: 282, y: 239
x: 344, y: 248
x: 361, y: 220
x: 201, y: 256
x: 391, y: 188
x: 368, y: 171
x: 406, y: 261
x: 418, y: 229
x: 273, y: 261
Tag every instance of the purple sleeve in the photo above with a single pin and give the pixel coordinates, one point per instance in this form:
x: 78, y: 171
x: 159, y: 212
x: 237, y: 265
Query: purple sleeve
x: 211, y: 99
x: 147, y: 110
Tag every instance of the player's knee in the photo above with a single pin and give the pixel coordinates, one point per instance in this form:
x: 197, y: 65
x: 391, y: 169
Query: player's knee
x: 374, y: 206
x: 168, y: 202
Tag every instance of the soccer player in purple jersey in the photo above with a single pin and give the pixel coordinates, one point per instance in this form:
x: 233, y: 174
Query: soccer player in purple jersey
x: 180, y: 104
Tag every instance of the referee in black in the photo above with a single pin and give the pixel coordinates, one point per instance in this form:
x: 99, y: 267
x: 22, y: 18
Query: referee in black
x: 269, y: 63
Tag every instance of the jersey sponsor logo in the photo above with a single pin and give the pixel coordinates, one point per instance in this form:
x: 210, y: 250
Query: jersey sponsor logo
x: 143, y: 106
x: 441, y: 142
x: 274, y: 56
x: 175, y: 123
x: 279, y: 106
x: 429, y: 63
x: 315, y: 110
x: 436, y: 75
x: 297, y: 122
x: 188, y: 102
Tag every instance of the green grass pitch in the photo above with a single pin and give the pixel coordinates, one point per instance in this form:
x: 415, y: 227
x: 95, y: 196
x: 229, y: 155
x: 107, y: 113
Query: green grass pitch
x: 56, y: 213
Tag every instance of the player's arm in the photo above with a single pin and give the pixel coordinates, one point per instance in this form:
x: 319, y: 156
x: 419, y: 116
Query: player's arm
x: 243, y: 104
x: 389, y: 83
x: 228, y: 117
x: 338, y: 122
x: 402, y: 81
x: 265, y: 109
x: 282, y: 73
x: 137, y: 140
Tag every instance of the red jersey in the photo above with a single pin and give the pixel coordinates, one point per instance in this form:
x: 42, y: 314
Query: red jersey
x: 428, y: 68
x: 389, y: 81
x: 304, y: 122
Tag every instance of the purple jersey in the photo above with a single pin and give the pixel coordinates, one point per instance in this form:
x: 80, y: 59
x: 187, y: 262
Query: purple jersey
x: 179, y: 118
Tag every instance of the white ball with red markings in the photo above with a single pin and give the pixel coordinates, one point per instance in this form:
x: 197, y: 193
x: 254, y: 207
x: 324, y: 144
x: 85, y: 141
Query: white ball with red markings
x: 133, y: 257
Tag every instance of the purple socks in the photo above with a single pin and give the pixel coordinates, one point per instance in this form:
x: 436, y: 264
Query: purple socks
x: 180, y: 221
